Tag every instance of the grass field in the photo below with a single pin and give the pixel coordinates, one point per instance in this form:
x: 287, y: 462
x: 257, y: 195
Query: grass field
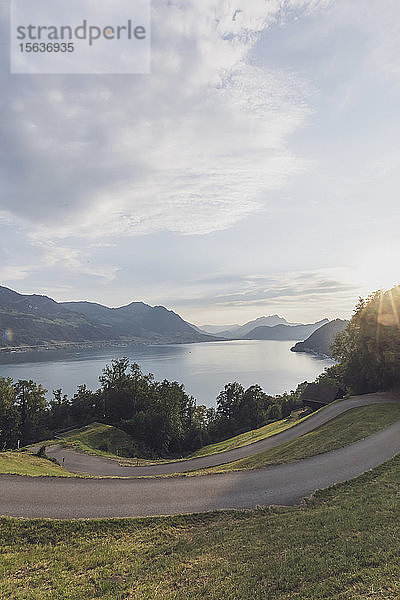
x: 249, y: 437
x: 345, y: 429
x: 21, y: 463
x: 343, y: 545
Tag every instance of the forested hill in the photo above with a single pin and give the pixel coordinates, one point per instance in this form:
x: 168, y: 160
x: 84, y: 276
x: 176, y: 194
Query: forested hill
x: 320, y: 341
x: 34, y: 320
x: 153, y: 323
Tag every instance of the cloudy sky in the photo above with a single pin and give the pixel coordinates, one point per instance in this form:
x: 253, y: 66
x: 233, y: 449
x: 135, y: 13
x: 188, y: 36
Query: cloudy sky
x: 255, y: 171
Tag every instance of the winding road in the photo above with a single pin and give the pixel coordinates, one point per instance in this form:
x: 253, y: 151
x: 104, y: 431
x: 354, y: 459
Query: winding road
x: 76, y: 462
x: 283, y: 484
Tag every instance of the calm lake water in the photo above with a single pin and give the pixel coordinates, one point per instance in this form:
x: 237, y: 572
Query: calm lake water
x: 203, y: 368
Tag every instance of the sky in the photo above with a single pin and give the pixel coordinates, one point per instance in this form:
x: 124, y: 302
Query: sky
x: 255, y: 171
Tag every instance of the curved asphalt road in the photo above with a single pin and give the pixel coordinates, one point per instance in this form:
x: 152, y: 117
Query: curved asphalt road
x: 283, y: 484
x: 76, y: 462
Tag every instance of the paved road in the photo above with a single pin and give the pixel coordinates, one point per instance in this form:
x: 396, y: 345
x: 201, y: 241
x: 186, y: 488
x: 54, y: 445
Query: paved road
x: 94, y: 465
x: 284, y: 484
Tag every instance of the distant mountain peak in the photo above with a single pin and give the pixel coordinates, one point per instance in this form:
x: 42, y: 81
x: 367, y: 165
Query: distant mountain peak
x: 241, y: 331
x: 284, y: 332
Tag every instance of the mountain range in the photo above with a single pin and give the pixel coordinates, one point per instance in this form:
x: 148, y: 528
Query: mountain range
x: 241, y: 330
x: 35, y: 320
x: 215, y: 329
x: 284, y: 332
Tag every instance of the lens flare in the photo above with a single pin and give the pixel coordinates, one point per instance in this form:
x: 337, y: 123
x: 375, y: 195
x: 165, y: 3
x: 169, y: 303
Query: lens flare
x: 8, y: 335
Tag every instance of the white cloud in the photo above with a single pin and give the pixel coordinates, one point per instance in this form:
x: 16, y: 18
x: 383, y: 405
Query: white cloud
x: 71, y: 259
x: 299, y: 295
x: 238, y: 290
x: 13, y: 273
x: 192, y: 148
x: 243, y: 96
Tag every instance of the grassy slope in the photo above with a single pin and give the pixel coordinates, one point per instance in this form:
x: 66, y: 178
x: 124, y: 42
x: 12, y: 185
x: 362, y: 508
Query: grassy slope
x: 19, y: 463
x: 101, y: 439
x: 345, y: 429
x: 249, y: 437
x: 94, y: 437
x: 344, y: 545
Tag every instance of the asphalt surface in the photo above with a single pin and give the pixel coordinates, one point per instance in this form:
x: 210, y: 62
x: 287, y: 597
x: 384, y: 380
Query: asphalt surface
x: 67, y: 498
x: 77, y: 462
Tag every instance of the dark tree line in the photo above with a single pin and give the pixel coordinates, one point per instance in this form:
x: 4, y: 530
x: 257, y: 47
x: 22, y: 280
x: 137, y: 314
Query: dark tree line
x: 23, y: 412
x: 240, y: 410
x: 160, y: 417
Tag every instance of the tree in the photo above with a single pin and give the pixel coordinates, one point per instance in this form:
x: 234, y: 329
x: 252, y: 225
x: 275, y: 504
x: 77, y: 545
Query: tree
x: 86, y: 406
x: 31, y: 405
x: 368, y: 350
x: 274, y: 412
x: 228, y: 407
x: 252, y: 408
x: 115, y: 388
x: 199, y: 433
x: 125, y: 390
x: 9, y: 417
x: 167, y: 418
x: 60, y: 411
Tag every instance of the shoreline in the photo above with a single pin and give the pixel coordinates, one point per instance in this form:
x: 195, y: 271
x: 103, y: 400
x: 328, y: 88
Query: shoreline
x: 6, y: 350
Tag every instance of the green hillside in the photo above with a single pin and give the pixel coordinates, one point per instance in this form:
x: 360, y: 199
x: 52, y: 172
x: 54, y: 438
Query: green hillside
x: 34, y: 320
x: 98, y: 438
x: 249, y: 437
x: 341, y: 545
x: 353, y: 425
x: 139, y: 320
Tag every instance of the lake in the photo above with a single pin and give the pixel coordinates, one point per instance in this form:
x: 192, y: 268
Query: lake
x: 203, y: 368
